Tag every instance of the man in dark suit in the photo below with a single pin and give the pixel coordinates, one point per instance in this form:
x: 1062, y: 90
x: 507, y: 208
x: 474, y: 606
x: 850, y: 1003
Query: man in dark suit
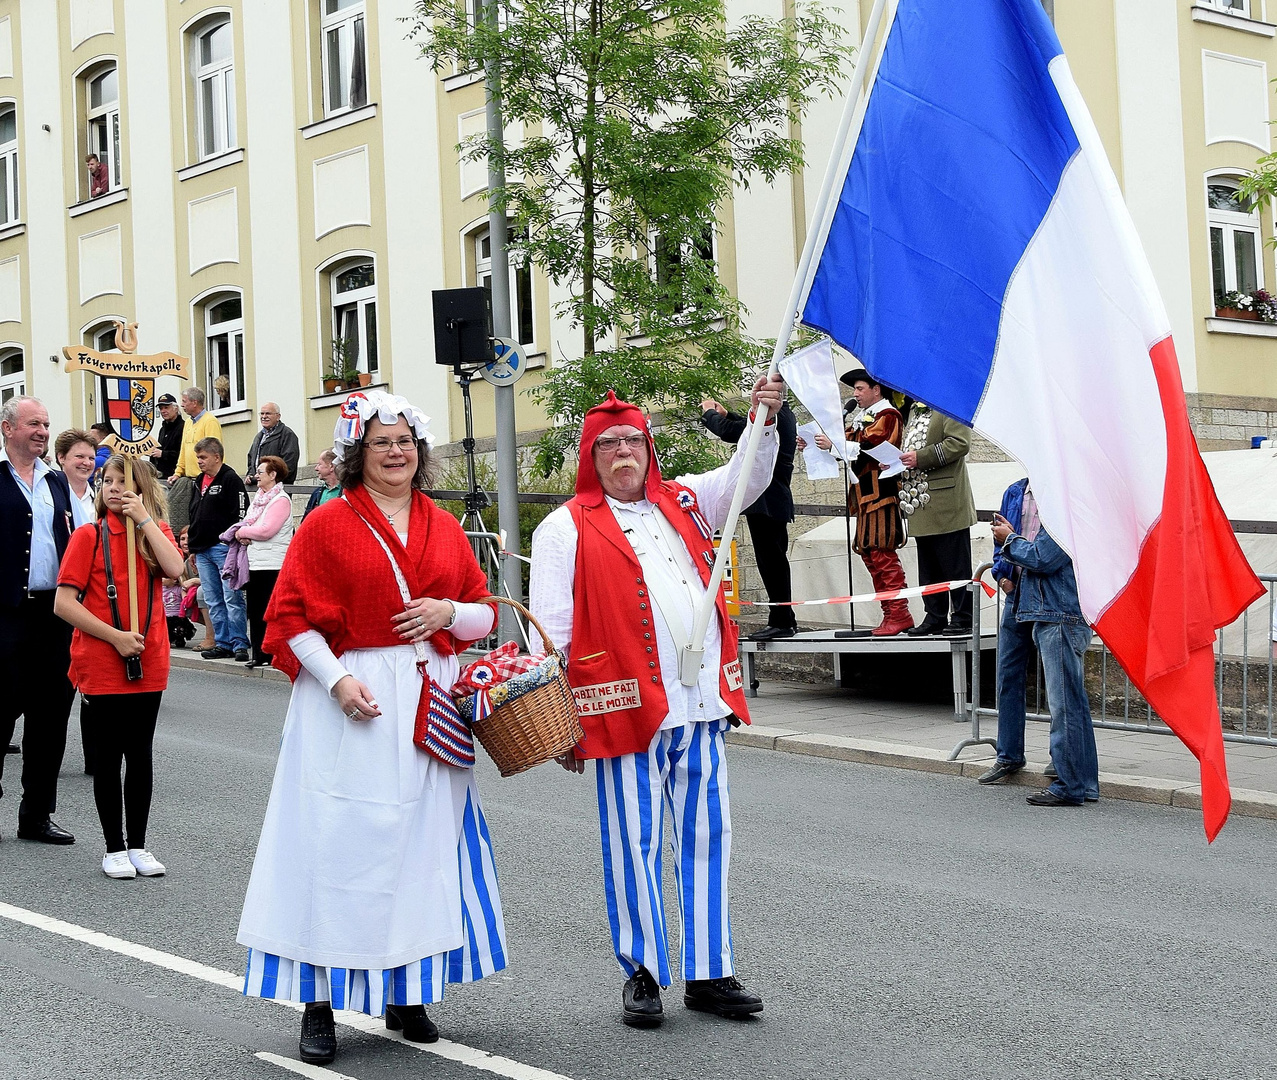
x: 37, y: 516
x: 768, y: 517
x: 275, y: 438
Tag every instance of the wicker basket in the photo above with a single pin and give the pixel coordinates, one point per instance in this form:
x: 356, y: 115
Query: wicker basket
x: 540, y: 725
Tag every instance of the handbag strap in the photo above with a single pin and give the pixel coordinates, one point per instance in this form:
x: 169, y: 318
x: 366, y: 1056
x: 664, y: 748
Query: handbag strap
x: 112, y: 593
x: 418, y: 647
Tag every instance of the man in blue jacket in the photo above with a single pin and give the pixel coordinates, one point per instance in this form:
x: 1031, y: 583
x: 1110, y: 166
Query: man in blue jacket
x: 1041, y: 607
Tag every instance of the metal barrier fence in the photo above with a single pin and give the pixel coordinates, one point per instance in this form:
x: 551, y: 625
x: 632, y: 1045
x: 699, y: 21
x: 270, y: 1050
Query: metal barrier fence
x: 1244, y: 680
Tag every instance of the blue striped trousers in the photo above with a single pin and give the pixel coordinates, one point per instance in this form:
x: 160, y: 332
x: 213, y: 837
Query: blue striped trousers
x: 481, y: 953
x: 683, y: 769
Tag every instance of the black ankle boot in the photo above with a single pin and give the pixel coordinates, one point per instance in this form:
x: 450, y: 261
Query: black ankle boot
x: 318, y: 1044
x: 413, y: 1022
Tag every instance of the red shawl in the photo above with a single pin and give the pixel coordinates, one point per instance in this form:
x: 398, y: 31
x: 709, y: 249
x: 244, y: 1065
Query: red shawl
x: 336, y: 578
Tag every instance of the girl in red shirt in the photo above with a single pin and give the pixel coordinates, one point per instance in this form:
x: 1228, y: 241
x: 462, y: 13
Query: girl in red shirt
x: 105, y: 657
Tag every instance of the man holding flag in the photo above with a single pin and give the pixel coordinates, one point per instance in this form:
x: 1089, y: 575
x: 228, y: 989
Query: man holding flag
x: 616, y: 575
x: 977, y: 179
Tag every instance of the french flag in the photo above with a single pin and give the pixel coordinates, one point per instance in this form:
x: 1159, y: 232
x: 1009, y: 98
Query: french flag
x: 979, y: 257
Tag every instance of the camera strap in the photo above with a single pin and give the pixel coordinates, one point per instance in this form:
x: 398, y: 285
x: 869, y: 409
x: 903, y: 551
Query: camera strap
x: 112, y: 594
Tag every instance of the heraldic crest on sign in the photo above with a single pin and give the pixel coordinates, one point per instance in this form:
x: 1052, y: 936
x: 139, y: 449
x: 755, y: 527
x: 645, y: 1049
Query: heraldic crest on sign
x: 126, y: 382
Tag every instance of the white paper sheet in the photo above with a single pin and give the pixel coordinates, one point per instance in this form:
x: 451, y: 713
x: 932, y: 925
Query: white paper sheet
x: 820, y: 464
x: 888, y: 454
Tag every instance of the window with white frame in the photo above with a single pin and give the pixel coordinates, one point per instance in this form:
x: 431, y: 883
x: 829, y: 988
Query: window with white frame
x: 667, y: 260
x: 101, y: 338
x: 344, y: 55
x: 13, y: 378
x: 1235, y: 245
x: 8, y: 164
x: 520, y: 276
x: 1233, y: 7
x: 102, y: 92
x: 354, y: 326
x: 213, y: 72
x: 225, y: 381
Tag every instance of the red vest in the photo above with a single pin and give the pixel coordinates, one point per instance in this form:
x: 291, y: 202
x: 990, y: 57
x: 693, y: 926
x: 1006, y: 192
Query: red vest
x: 613, y: 662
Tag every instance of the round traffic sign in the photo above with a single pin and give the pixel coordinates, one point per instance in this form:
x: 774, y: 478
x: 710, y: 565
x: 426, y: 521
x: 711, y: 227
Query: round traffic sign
x: 510, y: 363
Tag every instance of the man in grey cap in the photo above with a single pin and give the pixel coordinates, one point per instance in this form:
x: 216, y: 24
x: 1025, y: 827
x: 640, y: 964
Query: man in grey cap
x: 169, y: 436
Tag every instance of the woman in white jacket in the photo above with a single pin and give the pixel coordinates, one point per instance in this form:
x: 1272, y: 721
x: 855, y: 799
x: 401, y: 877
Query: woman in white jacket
x: 266, y: 530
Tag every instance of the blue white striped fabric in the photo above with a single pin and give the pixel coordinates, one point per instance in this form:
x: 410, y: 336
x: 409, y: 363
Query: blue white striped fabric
x: 684, y: 769
x: 482, y: 952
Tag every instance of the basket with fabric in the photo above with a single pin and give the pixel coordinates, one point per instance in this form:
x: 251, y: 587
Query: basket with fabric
x: 530, y: 715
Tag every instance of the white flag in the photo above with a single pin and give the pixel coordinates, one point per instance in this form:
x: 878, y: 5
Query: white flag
x: 809, y: 373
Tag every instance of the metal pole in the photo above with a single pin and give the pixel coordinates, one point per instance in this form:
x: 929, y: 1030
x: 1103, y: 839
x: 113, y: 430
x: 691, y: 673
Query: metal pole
x: 507, y: 445
x: 690, y: 661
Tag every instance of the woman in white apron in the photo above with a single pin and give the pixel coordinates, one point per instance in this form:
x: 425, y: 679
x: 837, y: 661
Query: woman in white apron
x: 374, y: 883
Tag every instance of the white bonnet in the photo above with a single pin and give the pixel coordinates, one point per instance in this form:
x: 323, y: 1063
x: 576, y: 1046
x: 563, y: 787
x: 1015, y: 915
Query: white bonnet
x: 362, y: 406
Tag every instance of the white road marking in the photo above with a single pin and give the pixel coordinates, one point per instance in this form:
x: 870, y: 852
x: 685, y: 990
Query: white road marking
x: 302, y: 1068
x: 372, y: 1025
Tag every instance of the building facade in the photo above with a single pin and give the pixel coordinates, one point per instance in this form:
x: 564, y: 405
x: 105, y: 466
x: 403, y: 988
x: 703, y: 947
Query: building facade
x: 277, y: 191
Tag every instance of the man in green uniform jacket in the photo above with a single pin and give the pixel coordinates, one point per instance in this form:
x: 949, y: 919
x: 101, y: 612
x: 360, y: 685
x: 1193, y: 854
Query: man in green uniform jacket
x: 942, y: 524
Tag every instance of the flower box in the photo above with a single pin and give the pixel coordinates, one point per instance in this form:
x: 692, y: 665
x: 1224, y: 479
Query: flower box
x: 1236, y: 313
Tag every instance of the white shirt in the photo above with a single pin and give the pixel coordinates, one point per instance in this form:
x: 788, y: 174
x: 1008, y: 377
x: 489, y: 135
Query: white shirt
x: 668, y: 568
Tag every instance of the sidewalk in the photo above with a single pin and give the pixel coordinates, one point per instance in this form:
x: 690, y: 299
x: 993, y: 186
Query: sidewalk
x: 822, y: 721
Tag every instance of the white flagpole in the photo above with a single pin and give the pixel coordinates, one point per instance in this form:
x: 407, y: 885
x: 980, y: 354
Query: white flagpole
x: 853, y: 115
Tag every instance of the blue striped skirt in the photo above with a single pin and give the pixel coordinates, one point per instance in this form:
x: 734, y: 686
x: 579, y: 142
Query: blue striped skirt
x: 482, y: 952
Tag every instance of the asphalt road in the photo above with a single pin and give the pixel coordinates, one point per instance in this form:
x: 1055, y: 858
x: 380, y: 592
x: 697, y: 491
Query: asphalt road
x: 897, y: 924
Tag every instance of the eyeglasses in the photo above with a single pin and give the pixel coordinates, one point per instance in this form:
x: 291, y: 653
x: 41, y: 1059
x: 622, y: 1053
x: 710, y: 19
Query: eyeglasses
x: 608, y: 444
x: 382, y: 446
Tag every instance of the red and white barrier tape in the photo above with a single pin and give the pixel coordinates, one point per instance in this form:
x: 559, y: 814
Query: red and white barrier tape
x: 877, y: 597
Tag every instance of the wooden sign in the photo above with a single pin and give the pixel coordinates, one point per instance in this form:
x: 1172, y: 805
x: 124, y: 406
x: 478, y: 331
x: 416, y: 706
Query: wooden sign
x: 127, y: 385
x: 126, y: 382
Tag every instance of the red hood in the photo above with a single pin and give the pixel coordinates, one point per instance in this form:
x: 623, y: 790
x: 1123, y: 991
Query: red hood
x: 610, y: 412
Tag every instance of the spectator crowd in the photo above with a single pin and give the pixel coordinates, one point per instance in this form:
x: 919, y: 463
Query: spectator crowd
x: 210, y: 544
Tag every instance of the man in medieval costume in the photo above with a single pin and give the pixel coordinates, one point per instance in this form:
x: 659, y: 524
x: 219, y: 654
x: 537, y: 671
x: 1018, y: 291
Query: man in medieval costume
x: 873, y: 500
x: 618, y: 574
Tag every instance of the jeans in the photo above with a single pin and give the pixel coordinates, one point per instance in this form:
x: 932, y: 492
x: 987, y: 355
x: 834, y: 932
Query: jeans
x: 1062, y: 647
x: 226, y: 609
x: 1015, y: 651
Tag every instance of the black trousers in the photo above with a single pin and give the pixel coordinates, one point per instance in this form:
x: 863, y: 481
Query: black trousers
x: 261, y: 583
x: 770, y: 537
x: 124, y: 729
x: 35, y: 652
x: 946, y: 557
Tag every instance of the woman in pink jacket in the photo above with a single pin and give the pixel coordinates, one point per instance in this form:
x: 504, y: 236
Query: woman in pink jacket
x: 266, y: 529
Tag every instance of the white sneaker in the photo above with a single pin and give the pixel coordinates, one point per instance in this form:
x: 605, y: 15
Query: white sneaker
x: 145, y: 863
x: 117, y: 864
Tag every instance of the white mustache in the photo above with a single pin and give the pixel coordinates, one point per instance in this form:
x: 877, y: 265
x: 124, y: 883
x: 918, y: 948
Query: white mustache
x: 624, y: 463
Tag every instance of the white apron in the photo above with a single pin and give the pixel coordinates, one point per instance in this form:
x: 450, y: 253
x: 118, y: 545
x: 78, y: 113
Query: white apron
x: 357, y: 862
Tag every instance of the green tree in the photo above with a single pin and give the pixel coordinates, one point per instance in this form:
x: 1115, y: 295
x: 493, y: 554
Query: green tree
x: 642, y: 117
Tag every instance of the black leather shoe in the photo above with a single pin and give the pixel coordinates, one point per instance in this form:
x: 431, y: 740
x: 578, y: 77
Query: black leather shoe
x: 771, y: 633
x: 1050, y: 771
x: 413, y: 1022
x: 725, y: 997
x: 217, y: 653
x: 1049, y: 798
x: 47, y: 831
x: 926, y: 628
x: 1000, y: 771
x: 953, y: 630
x: 242, y: 656
x: 318, y: 1045
x: 641, y: 1001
